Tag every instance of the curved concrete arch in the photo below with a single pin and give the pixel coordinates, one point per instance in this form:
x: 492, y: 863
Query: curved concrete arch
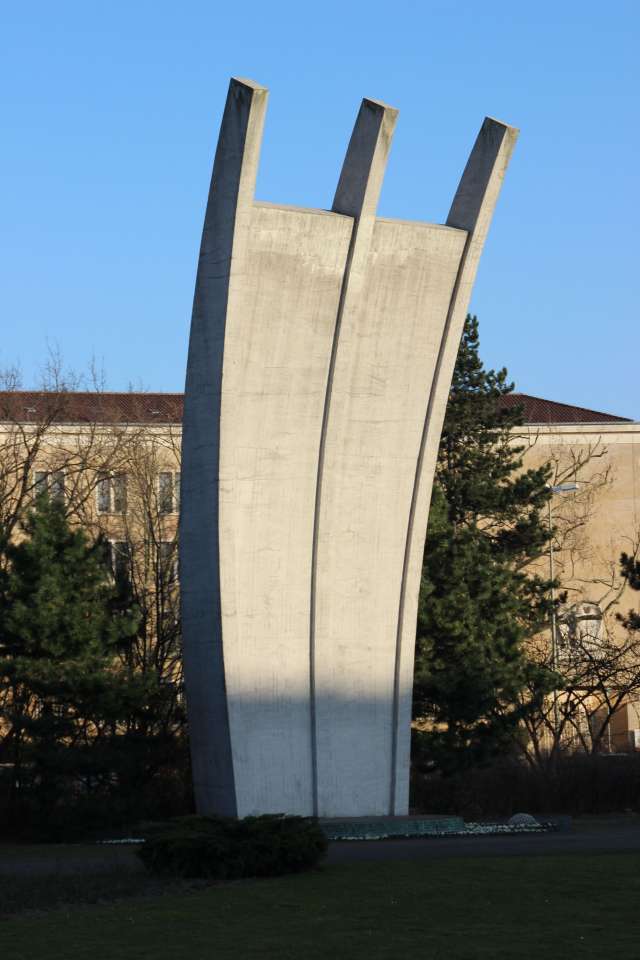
x: 224, y: 236
x: 471, y: 211
x: 321, y: 351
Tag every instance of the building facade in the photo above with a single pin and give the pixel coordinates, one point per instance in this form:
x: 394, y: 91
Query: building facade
x: 595, y: 511
x: 115, y: 460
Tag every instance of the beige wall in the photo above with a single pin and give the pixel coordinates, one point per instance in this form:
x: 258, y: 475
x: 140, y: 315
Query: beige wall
x: 594, y: 526
x: 83, y: 453
x: 604, y: 459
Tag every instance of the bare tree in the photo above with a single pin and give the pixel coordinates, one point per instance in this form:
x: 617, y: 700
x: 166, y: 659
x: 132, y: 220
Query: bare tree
x: 44, y: 446
x: 142, y: 540
x: 108, y: 471
x: 598, y: 668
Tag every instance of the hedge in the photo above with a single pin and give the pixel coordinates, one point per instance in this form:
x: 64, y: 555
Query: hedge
x: 223, y: 848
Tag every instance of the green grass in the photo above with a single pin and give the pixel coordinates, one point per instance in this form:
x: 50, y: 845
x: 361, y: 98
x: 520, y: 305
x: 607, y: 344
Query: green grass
x: 510, y: 908
x: 44, y: 893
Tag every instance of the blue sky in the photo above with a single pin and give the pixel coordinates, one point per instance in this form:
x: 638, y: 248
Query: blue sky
x: 111, y: 113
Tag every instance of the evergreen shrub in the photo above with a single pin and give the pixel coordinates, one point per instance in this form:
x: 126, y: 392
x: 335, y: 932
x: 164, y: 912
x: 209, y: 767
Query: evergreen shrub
x: 223, y: 848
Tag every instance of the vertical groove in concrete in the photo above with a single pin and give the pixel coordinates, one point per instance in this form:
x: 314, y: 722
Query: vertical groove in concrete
x: 410, y: 528
x: 314, y: 548
x: 225, y: 229
x: 356, y: 196
x: 307, y: 469
x: 471, y: 210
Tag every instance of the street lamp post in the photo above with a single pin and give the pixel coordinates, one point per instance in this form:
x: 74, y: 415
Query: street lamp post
x: 559, y: 488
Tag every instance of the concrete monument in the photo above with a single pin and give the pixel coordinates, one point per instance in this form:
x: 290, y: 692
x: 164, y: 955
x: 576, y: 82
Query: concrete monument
x: 321, y: 353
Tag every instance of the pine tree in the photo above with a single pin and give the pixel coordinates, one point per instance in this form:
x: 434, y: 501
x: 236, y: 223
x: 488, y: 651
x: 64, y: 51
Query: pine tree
x: 61, y: 625
x: 630, y: 571
x: 478, y: 602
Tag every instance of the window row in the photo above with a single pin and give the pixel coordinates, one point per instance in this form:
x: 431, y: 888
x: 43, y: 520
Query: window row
x: 111, y: 490
x: 51, y: 482
x: 120, y: 557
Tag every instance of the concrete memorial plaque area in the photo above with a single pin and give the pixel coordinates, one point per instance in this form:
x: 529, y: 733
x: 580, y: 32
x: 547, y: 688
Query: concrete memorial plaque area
x: 320, y: 358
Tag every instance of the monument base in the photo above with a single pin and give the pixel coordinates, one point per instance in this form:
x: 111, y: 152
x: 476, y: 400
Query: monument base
x: 382, y: 828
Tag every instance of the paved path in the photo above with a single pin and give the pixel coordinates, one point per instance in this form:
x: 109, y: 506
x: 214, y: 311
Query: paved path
x: 50, y: 860
x: 609, y: 838
x: 614, y: 835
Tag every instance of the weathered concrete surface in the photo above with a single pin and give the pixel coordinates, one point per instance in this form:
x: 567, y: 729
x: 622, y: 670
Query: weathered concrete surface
x: 471, y: 211
x: 321, y: 352
x: 277, y: 353
x: 385, y: 365
x: 224, y: 239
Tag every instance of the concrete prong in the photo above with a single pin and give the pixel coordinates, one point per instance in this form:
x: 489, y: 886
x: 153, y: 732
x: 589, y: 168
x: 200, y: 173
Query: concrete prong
x: 482, y: 175
x: 366, y: 160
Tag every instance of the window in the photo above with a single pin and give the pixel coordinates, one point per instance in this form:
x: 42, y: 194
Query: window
x: 104, y: 495
x: 168, y: 492
x: 168, y: 561
x: 111, y: 493
x: 118, y: 494
x: 41, y: 482
x: 51, y: 482
x: 121, y: 560
x: 579, y: 631
x: 56, y: 485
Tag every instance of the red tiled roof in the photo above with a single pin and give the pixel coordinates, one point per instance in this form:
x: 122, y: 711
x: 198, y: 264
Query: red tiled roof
x: 34, y: 406
x: 31, y: 406
x: 537, y: 410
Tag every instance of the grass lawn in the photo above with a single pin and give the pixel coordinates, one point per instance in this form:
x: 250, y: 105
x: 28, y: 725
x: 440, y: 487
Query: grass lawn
x: 514, y: 907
